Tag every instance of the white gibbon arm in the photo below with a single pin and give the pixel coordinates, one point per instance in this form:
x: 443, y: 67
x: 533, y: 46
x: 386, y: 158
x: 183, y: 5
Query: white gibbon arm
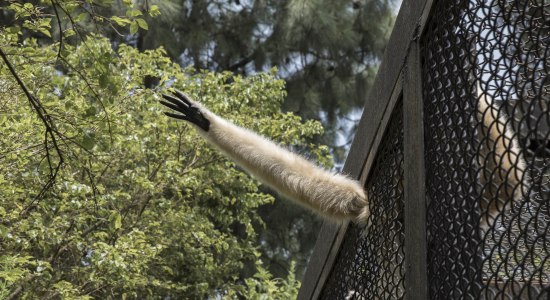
x: 332, y: 195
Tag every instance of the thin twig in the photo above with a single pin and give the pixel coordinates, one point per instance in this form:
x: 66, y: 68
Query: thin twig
x: 54, y: 4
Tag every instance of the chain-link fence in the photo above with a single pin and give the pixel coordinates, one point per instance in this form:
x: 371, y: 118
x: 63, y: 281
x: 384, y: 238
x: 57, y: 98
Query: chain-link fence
x: 486, y: 121
x: 486, y: 94
x: 370, y: 262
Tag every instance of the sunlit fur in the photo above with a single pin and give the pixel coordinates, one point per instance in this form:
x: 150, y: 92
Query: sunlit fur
x: 333, y: 195
x: 502, y: 166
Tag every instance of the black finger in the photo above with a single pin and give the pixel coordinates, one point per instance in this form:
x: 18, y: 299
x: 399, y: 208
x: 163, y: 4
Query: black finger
x: 172, y: 106
x: 175, y: 101
x: 176, y: 116
x: 183, y: 97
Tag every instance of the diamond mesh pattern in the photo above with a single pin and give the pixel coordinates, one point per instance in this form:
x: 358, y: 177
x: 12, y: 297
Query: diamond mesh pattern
x: 370, y: 264
x: 486, y: 93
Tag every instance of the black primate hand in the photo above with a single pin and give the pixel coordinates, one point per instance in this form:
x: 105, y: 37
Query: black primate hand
x: 187, y: 109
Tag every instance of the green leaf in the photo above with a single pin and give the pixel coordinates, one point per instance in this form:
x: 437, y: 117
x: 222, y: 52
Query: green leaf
x: 81, y: 17
x: 45, y: 31
x: 91, y: 111
x: 154, y: 10
x: 69, y: 32
x: 134, y: 27
x: 115, y: 220
x: 103, y: 78
x: 88, y: 141
x: 133, y: 13
x: 121, y: 21
x: 142, y: 24
x: 14, y: 29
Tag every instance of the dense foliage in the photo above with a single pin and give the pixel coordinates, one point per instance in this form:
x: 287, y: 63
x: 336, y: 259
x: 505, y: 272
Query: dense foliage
x: 140, y: 206
x: 90, y: 126
x: 327, y: 51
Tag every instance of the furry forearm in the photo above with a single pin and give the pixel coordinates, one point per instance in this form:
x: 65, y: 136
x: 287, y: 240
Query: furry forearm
x: 333, y: 195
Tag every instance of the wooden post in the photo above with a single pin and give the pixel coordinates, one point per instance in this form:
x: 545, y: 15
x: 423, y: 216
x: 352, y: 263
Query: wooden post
x: 416, y: 277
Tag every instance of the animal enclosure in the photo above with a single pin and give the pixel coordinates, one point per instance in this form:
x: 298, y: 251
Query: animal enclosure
x: 453, y: 150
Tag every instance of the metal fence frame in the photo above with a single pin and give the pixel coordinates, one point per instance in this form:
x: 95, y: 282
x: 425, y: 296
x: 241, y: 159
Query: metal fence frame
x: 399, y: 75
x: 398, y: 91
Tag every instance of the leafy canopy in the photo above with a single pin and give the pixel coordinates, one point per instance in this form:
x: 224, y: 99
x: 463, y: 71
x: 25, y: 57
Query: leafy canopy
x: 140, y: 207
x: 327, y: 51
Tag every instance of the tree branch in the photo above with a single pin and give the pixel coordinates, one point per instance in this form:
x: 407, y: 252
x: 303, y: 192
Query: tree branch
x: 50, y: 134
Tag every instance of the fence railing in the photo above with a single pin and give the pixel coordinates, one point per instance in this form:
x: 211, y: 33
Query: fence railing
x: 453, y: 149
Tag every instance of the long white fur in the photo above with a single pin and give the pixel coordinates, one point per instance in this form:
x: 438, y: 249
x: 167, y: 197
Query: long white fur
x: 333, y: 195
